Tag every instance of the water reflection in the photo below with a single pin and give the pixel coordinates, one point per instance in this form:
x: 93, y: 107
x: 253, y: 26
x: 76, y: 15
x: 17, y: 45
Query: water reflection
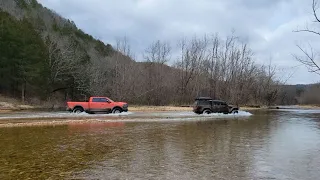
x: 268, y: 145
x: 93, y: 127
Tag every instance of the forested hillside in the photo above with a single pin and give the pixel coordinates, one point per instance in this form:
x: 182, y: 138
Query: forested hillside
x: 46, y: 58
x: 299, y: 94
x: 43, y: 55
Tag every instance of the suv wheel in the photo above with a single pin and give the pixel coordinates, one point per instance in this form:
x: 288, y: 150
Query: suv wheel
x: 207, y: 111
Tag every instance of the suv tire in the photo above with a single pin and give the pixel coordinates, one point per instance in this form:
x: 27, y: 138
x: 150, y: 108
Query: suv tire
x: 234, y: 111
x: 207, y: 111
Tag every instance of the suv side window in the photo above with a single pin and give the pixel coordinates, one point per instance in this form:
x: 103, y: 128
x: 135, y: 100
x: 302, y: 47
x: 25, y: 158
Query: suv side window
x: 216, y: 103
x: 204, y: 103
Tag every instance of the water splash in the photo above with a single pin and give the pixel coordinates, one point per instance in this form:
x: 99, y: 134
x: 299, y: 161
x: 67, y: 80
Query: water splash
x: 239, y: 114
x: 128, y: 115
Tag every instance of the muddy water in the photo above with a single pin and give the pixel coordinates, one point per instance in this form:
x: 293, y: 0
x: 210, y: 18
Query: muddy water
x: 266, y: 145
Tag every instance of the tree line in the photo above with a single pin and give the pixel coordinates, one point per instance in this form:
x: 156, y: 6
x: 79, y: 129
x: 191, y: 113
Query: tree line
x: 222, y: 68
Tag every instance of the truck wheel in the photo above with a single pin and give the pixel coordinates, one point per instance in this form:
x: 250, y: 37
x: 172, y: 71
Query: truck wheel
x: 78, y: 110
x: 207, y: 111
x: 116, y: 111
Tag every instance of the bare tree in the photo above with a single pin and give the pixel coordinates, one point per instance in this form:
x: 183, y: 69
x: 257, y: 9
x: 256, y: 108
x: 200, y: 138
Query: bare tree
x: 123, y: 46
x: 68, y: 66
x: 309, y: 58
x: 63, y: 58
x: 158, y: 52
x: 156, y: 56
x: 192, y: 54
x: 120, y: 71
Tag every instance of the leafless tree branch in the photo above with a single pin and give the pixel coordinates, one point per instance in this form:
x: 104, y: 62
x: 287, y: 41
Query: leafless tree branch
x: 310, y: 57
x: 314, y: 9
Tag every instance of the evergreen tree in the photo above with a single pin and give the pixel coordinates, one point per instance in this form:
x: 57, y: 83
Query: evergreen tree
x: 23, y: 55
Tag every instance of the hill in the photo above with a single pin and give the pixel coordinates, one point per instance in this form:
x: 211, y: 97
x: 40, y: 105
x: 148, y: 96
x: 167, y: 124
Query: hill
x: 43, y: 53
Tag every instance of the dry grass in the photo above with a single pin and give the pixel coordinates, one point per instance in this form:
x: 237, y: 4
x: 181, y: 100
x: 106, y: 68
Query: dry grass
x: 7, y: 103
x: 10, y: 104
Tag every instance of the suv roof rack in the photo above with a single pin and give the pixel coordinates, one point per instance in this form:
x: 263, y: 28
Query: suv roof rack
x: 203, y: 98
x: 218, y: 100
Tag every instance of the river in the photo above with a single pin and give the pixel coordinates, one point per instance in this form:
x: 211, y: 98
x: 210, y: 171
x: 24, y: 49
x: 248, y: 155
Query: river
x: 269, y: 144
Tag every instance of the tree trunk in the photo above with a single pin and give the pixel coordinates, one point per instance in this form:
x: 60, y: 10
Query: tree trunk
x: 23, y: 92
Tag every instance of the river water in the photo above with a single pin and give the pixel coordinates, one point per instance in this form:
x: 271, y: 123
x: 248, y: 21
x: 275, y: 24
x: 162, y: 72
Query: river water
x: 269, y: 144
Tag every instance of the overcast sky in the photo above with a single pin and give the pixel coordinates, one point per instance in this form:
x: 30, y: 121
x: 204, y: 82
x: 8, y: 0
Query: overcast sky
x: 266, y: 24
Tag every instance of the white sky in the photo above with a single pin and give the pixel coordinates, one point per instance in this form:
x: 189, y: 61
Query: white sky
x: 267, y: 25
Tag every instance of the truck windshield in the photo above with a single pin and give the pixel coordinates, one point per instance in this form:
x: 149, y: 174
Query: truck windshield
x: 110, y: 100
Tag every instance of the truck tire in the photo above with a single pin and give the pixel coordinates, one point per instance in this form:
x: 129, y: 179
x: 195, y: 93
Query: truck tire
x: 117, y: 111
x: 78, y: 110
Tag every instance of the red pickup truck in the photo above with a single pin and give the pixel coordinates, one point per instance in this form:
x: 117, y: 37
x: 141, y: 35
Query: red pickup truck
x: 97, y: 104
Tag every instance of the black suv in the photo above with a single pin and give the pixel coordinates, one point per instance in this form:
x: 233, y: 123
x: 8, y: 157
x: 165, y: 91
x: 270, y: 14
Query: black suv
x: 206, y: 105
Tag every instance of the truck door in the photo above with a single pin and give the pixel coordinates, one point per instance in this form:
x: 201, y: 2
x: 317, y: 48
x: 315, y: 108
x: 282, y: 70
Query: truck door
x: 100, y: 105
x: 105, y: 105
x: 95, y: 105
